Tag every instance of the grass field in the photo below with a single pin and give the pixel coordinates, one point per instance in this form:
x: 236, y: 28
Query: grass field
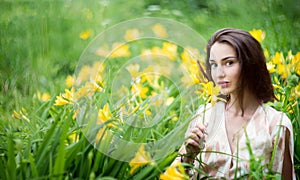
x: 41, y: 43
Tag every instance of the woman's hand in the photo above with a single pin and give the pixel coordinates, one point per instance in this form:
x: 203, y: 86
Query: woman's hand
x: 195, y: 142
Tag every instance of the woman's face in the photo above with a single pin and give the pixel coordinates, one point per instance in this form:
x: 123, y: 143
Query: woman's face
x: 225, y: 67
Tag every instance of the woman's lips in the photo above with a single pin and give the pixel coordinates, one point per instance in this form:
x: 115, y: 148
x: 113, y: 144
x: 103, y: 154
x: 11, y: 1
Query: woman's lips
x: 223, y: 84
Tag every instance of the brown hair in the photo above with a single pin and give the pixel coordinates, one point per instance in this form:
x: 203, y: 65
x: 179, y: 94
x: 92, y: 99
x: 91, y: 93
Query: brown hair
x: 254, y: 73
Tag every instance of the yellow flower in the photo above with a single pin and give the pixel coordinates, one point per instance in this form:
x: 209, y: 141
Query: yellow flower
x: 85, y: 34
x: 133, y: 69
x: 169, y: 50
x: 258, y: 34
x: 156, y: 50
x: 283, y: 70
x: 271, y: 67
x: 104, y: 114
x: 189, y: 55
x: 98, y: 67
x: 169, y: 101
x: 60, y: 101
x: 131, y: 34
x: 70, y: 81
x: 296, y: 63
x: 146, y: 54
x: 210, y: 92
x: 103, y: 51
x: 278, y: 58
x: 65, y: 98
x: 295, y: 93
x: 84, y: 74
x: 174, y: 172
x: 148, y: 112
x: 266, y: 53
x: 159, y: 30
x: 141, y: 158
x: 139, y: 90
x: 82, y: 92
x: 120, y: 50
x: 22, y: 114
x: 88, y: 89
x: 43, y: 97
x: 275, y: 86
x: 74, y: 137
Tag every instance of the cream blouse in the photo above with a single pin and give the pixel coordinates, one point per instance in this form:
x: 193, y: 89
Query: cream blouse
x: 262, y: 130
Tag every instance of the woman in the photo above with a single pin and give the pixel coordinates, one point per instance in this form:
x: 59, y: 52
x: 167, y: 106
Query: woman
x: 235, y: 62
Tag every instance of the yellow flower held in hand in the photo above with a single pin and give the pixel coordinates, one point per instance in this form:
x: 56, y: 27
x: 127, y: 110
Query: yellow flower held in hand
x: 141, y: 158
x: 174, y: 172
x: 211, y: 92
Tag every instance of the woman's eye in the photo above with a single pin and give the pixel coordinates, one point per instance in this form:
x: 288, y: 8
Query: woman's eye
x: 213, y: 65
x: 229, y: 63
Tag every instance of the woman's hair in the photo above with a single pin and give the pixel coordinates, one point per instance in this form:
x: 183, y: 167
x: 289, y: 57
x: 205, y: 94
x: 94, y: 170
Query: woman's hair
x: 254, y: 73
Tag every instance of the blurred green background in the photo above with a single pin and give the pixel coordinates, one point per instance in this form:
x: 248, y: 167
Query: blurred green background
x: 40, y: 41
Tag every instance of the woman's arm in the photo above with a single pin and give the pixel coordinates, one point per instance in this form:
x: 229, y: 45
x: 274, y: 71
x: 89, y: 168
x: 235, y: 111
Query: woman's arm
x: 287, y: 169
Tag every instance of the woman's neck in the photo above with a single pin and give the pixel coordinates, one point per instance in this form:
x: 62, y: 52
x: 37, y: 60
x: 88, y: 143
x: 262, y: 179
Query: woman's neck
x: 250, y: 104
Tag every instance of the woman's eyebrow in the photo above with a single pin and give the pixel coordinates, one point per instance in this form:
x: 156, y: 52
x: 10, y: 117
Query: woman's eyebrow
x: 225, y: 58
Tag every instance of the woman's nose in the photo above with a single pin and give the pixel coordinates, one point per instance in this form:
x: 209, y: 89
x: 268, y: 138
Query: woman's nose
x: 220, y: 71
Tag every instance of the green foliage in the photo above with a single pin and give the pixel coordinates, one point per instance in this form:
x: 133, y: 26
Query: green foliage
x: 40, y: 45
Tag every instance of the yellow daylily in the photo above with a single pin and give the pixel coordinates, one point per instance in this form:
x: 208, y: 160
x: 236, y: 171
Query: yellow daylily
x: 141, y: 158
x: 258, y: 34
x: 84, y: 74
x: 133, y: 69
x: 271, y: 67
x: 139, y: 90
x: 104, y: 114
x: 88, y: 89
x: 169, y: 101
x: 85, y: 34
x: 70, y: 81
x: 278, y: 58
x: 131, y: 34
x: 266, y: 53
x: 174, y: 172
x: 65, y: 98
x: 159, y: 30
x: 60, y: 101
x: 103, y: 51
x: 22, y: 114
x: 210, y: 92
x: 169, y: 50
x: 189, y: 55
x: 146, y: 54
x: 120, y: 50
x: 283, y: 70
x: 43, y: 97
x: 296, y: 63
